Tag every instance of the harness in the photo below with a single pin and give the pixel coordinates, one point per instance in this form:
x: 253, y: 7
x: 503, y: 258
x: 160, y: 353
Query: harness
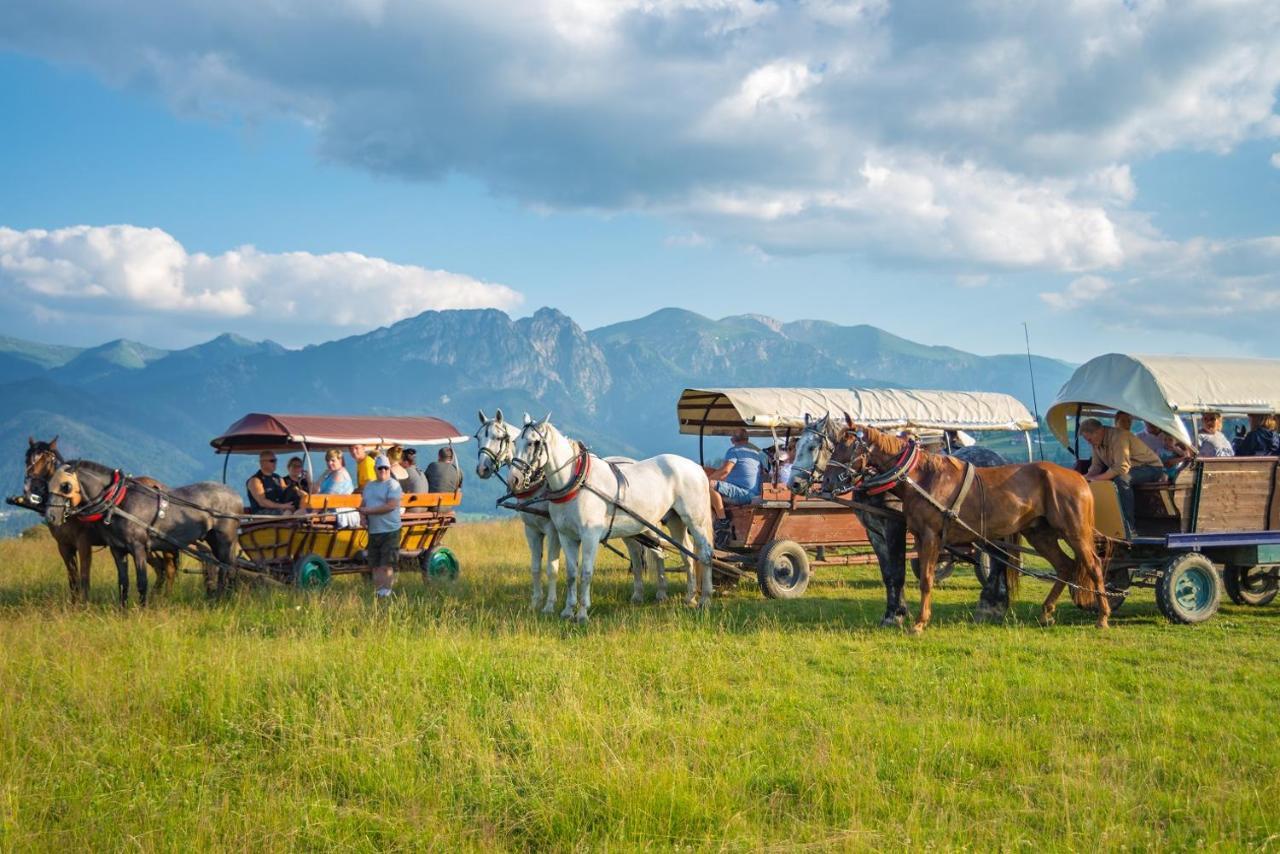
x: 887, y: 480
x: 581, y: 469
x: 106, y: 502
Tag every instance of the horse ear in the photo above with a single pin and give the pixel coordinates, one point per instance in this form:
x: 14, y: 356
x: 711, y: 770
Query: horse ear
x: 483, y: 420
x: 547, y: 418
x: 497, y: 416
x: 807, y: 419
x: 848, y: 421
x: 53, y: 443
x: 31, y: 442
x: 527, y: 419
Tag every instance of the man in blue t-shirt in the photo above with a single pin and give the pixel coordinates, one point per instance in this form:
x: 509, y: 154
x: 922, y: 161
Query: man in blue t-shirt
x: 380, y: 508
x: 737, y: 480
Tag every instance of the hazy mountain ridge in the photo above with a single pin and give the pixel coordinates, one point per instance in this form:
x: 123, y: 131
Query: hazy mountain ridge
x: 154, y: 411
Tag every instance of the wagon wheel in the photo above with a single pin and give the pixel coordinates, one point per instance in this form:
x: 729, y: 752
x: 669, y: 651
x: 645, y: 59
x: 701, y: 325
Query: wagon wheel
x: 438, y: 562
x: 310, y: 572
x: 783, y: 570
x: 942, y: 570
x: 1250, y: 585
x: 1189, y: 589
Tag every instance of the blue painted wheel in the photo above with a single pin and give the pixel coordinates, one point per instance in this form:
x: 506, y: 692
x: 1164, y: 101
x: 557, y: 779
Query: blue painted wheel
x: 1189, y: 589
x: 311, y: 572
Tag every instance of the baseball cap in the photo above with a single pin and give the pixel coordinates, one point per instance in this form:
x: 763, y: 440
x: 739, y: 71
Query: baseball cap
x: 382, y: 462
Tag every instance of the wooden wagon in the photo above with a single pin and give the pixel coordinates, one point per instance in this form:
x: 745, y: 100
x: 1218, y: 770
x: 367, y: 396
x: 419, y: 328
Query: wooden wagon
x: 1215, y: 526
x: 782, y: 536
x: 309, y: 547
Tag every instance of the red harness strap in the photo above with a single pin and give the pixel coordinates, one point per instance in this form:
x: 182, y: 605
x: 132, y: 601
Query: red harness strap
x: 580, y: 471
x: 527, y: 494
x: 113, y: 496
x: 901, y: 469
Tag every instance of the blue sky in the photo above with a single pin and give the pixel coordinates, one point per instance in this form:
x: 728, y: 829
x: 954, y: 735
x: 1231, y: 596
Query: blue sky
x: 857, y: 162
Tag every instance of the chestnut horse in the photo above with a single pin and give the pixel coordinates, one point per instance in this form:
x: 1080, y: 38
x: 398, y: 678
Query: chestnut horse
x: 1043, y: 502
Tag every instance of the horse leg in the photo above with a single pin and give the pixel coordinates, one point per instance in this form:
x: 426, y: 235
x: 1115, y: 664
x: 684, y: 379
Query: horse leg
x: 586, y: 568
x: 121, y: 558
x: 1045, y: 541
x: 569, y: 549
x: 1089, y: 574
x: 533, y: 536
x: 993, y: 602
x: 552, y: 537
x: 698, y: 525
x: 927, y: 548
x: 636, y: 553
x: 141, y: 569
x: 659, y: 563
x: 84, y: 553
x: 67, y: 551
x: 679, y: 532
x: 892, y: 557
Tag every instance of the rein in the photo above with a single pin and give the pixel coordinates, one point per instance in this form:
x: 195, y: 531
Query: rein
x: 898, y: 473
x: 106, y: 502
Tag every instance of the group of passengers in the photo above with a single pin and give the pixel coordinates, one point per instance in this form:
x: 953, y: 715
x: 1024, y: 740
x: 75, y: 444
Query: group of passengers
x: 273, y: 495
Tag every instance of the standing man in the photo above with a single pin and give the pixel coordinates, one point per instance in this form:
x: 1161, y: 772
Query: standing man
x: 736, y: 481
x: 380, y: 509
x: 364, y: 466
x: 1122, y: 457
x: 443, y: 475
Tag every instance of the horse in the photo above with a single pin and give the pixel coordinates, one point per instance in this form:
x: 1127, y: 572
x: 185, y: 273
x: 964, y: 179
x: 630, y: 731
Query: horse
x: 76, y: 539
x: 1040, y: 501
x: 495, y: 441
x: 151, y: 518
x: 665, y: 489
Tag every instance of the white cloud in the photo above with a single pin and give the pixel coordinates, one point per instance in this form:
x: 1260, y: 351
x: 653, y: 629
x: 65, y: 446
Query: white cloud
x: 690, y: 240
x: 970, y: 134
x: 1275, y: 160
x: 128, y: 271
x: 1081, y: 291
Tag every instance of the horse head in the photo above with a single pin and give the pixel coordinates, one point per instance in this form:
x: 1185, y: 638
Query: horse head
x: 41, y: 461
x: 65, y: 494
x: 495, y: 443
x: 813, y: 453
x: 537, y: 447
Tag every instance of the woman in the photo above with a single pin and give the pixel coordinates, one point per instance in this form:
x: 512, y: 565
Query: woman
x: 394, y: 456
x: 296, y: 484
x: 1261, y: 440
x: 337, y: 481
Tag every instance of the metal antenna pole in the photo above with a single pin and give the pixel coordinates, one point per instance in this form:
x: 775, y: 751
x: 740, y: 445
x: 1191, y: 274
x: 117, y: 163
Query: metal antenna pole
x: 1035, y: 404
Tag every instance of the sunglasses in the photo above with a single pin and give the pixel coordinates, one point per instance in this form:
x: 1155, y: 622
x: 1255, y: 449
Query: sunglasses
x: 384, y: 468
x: 266, y: 459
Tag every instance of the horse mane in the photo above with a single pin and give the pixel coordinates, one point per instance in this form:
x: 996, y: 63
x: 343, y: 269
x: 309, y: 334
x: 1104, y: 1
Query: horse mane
x: 884, y: 443
x: 92, y: 467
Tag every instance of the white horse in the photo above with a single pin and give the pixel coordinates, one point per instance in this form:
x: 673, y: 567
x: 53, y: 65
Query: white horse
x: 666, y: 489
x: 495, y: 443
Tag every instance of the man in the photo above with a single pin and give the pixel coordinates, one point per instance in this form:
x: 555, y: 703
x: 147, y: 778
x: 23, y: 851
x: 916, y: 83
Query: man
x: 364, y: 466
x: 1212, y: 442
x: 736, y: 481
x: 415, y: 480
x: 443, y: 475
x: 1123, y: 458
x: 380, y: 510
x: 267, y: 493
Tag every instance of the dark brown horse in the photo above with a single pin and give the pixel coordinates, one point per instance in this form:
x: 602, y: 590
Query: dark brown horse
x: 74, y: 538
x: 1044, y: 502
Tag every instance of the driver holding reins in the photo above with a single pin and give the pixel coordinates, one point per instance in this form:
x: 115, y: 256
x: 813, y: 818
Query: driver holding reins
x: 736, y: 481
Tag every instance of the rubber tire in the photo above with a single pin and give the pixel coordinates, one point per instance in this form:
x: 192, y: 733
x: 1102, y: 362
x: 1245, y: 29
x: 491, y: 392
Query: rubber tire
x: 982, y: 568
x: 445, y: 564
x: 779, y: 555
x: 1180, y: 571
x: 311, y: 572
x: 1243, y: 593
x: 942, y: 570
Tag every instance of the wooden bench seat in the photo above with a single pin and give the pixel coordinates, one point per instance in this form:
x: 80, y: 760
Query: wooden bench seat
x: 410, y: 501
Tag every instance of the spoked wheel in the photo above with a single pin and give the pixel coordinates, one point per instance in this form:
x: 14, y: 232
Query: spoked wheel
x: 1189, y: 589
x: 438, y: 563
x: 942, y: 570
x: 311, y: 572
x: 1250, y: 585
x: 783, y: 570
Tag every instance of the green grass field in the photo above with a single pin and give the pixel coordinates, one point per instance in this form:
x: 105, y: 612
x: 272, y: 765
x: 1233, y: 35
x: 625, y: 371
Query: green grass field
x: 458, y: 719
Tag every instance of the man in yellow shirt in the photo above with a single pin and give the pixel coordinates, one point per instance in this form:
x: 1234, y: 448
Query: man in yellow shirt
x: 1121, y: 457
x: 365, y: 471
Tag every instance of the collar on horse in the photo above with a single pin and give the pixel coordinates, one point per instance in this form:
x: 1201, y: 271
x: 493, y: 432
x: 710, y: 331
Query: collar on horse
x: 887, y: 480
x: 111, y: 497
x: 581, y: 468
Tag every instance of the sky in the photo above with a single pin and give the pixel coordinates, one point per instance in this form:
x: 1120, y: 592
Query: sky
x: 1106, y: 172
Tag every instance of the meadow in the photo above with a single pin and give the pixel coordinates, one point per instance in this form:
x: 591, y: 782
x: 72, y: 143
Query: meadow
x: 458, y: 719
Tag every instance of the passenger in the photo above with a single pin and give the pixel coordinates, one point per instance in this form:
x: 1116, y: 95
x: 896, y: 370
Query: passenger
x: 267, y: 496
x: 443, y: 475
x: 736, y: 481
x: 296, y: 483
x: 1123, y: 458
x: 1212, y: 442
x: 364, y: 466
x: 1152, y: 437
x: 395, y: 453
x: 1124, y: 421
x: 1261, y: 440
x: 415, y: 480
x: 380, y: 507
x: 337, y: 481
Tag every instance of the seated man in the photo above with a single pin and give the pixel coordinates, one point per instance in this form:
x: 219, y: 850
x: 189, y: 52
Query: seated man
x: 1212, y: 442
x: 736, y: 481
x: 268, y: 495
x: 1122, y: 457
x: 443, y: 475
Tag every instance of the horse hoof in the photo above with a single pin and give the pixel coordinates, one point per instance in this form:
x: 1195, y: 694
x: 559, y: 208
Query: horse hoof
x: 637, y: 598
x: 916, y: 630
x: 660, y: 597
x: 566, y: 614
x: 1103, y: 624
x: 891, y: 622
x: 1046, y: 620
x: 580, y: 619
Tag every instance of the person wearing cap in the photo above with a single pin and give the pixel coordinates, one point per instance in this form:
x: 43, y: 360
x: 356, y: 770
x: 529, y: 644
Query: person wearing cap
x: 380, y: 508
x: 736, y: 480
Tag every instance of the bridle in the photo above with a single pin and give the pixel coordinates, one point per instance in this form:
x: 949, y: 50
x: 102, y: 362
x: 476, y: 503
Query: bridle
x: 41, y: 466
x: 533, y: 471
x: 505, y: 447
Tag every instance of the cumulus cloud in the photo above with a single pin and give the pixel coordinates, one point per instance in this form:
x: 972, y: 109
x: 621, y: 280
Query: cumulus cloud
x: 125, y: 271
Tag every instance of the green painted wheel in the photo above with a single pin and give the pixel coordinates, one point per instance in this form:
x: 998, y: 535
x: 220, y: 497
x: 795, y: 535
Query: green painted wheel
x: 1189, y: 589
x: 311, y: 572
x: 439, y: 562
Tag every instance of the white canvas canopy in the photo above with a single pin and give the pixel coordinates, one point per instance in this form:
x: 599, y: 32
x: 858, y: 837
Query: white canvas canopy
x: 718, y: 411
x: 1157, y: 389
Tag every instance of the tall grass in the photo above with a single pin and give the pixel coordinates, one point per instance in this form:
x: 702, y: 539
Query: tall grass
x: 456, y: 718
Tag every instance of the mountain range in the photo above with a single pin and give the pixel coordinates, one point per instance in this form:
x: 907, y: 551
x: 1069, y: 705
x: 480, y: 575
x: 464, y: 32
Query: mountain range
x: 149, y: 410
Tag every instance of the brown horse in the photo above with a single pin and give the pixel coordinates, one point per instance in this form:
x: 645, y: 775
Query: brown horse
x: 1044, y: 502
x: 76, y: 539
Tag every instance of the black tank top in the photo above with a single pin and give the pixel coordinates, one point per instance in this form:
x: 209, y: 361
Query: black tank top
x: 272, y: 490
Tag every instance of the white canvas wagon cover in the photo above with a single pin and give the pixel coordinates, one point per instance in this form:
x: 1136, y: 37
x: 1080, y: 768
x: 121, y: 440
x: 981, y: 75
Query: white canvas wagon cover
x: 1157, y: 389
x: 717, y: 411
